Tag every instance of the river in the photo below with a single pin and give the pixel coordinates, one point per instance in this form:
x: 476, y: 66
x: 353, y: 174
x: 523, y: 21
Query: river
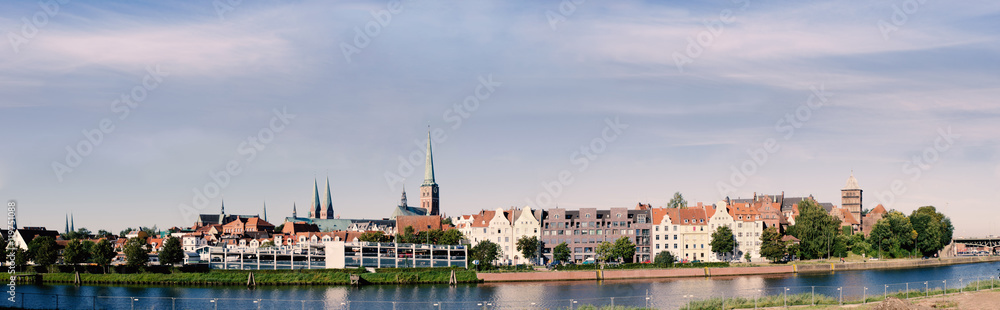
x: 661, y: 293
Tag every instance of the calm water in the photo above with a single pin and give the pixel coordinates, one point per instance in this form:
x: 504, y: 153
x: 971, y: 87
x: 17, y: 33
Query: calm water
x: 663, y: 293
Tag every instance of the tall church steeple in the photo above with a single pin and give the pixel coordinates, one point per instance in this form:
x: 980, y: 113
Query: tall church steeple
x: 316, y: 207
x: 295, y: 213
x: 67, y: 224
x: 72, y: 227
x: 328, y: 210
x: 402, y: 200
x: 222, y: 213
x: 265, y: 211
x: 429, y: 197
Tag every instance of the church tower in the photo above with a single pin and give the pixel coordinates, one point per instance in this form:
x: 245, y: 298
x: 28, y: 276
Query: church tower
x: 316, y: 210
x: 850, y: 197
x: 327, y: 212
x: 429, y: 199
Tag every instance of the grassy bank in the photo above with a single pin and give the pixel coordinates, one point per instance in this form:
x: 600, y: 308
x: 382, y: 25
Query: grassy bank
x: 820, y: 299
x: 269, y: 277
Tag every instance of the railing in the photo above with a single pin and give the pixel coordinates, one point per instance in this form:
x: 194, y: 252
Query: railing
x: 744, y: 299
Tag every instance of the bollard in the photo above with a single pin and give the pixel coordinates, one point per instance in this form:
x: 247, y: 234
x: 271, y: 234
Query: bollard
x: 812, y: 297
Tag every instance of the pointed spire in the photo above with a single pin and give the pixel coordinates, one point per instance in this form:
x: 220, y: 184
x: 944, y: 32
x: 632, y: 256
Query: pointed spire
x: 67, y: 223
x: 265, y: 211
x: 329, y: 200
x: 295, y: 213
x: 222, y: 212
x: 315, y: 212
x: 402, y: 200
x: 72, y: 227
x: 429, y: 165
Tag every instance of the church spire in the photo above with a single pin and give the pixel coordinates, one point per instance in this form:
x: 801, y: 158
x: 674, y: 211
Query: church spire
x: 265, y: 211
x: 67, y: 223
x: 222, y: 213
x: 315, y: 212
x: 72, y: 227
x: 402, y: 200
x: 295, y: 213
x: 328, y: 214
x: 429, y: 164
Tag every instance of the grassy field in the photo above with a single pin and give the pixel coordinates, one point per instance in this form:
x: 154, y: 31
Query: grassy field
x: 269, y: 277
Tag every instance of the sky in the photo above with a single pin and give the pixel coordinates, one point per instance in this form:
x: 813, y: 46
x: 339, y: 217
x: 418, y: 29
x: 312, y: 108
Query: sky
x: 142, y: 113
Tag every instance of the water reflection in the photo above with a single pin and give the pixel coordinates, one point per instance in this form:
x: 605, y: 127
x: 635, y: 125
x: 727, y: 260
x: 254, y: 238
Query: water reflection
x: 663, y: 293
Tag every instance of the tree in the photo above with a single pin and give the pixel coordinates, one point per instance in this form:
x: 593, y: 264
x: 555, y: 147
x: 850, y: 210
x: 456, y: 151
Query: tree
x: 560, y: 253
x: 83, y: 233
x: 486, y: 253
x: 528, y: 246
x: 446, y: 221
x: 267, y: 244
x: 664, y: 259
x: 893, y: 234
x: 103, y: 253
x: 934, y: 230
x: 74, y: 253
x: 136, y: 252
x: 43, y: 251
x: 279, y: 228
x: 408, y: 236
x: 20, y: 257
x: 722, y: 241
x: 840, y: 248
x: 816, y: 229
x: 451, y: 237
x: 171, y: 253
x: 605, y: 251
x: 747, y: 256
x: 771, y: 246
x: 624, y: 249
x: 678, y: 201
x: 374, y: 236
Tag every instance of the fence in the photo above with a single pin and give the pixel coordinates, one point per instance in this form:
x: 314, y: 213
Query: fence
x: 747, y: 298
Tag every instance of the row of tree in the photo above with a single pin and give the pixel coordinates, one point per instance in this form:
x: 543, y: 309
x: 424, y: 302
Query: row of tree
x: 43, y: 251
x: 925, y: 232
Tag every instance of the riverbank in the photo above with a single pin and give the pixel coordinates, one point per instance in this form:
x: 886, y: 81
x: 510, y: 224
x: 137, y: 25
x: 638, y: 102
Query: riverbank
x: 267, y: 277
x: 808, y: 267
x: 965, y: 298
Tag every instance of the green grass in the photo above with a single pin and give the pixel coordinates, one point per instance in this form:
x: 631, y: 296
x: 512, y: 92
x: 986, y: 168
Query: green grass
x: 268, y: 277
x: 807, y: 299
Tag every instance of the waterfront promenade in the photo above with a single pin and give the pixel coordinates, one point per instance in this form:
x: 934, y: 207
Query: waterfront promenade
x: 800, y: 267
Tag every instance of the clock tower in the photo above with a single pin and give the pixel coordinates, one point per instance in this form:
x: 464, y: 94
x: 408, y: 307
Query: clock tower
x: 429, y: 199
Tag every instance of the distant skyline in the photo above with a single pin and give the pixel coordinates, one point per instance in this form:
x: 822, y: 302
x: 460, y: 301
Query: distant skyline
x: 592, y: 104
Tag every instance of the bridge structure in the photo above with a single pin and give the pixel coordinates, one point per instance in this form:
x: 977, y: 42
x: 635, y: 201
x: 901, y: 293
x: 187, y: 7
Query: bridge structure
x: 992, y: 242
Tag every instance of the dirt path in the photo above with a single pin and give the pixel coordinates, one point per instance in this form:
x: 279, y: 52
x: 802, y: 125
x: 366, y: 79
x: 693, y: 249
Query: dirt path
x: 981, y: 300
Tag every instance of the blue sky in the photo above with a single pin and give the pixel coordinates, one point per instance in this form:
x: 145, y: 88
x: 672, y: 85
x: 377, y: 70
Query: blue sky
x: 820, y: 88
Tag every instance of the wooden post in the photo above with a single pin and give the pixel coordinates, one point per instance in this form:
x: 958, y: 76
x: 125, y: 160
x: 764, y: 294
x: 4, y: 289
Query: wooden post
x: 453, y: 279
x: 251, y: 282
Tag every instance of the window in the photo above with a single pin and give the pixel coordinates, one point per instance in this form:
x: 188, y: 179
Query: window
x: 619, y: 215
x: 685, y: 220
x: 675, y: 245
x: 557, y: 216
x: 657, y: 228
x: 657, y: 246
x: 675, y: 237
x: 657, y: 237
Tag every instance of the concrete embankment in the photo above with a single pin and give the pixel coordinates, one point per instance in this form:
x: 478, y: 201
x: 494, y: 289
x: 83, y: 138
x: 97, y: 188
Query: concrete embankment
x: 894, y: 264
x: 724, y: 271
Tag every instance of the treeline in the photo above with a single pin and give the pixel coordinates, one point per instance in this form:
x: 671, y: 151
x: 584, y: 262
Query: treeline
x: 923, y: 233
